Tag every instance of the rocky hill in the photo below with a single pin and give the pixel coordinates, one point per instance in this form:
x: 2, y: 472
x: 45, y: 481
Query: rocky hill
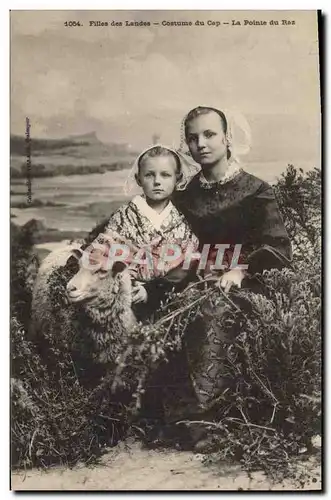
x: 77, y: 154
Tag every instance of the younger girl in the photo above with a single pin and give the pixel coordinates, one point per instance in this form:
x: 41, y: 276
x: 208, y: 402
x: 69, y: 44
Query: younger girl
x: 152, y: 221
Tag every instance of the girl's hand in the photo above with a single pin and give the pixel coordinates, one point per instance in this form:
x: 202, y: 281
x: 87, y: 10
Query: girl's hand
x: 230, y: 278
x: 139, y: 294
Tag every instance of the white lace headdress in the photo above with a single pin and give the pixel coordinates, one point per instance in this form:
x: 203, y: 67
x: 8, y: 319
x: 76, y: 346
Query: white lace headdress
x: 238, y: 134
x: 188, y: 169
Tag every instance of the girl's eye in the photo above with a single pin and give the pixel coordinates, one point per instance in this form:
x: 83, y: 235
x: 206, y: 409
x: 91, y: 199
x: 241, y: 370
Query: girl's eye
x: 209, y: 134
x: 192, y: 138
x: 166, y: 174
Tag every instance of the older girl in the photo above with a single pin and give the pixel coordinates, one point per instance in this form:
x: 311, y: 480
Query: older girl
x: 225, y: 205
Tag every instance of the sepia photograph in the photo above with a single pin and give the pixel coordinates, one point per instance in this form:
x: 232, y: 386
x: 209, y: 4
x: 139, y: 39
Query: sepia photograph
x: 166, y: 250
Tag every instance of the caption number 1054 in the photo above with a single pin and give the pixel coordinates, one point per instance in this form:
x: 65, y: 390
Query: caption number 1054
x: 72, y: 23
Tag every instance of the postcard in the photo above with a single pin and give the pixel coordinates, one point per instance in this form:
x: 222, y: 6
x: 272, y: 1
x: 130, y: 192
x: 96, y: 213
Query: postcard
x: 165, y: 212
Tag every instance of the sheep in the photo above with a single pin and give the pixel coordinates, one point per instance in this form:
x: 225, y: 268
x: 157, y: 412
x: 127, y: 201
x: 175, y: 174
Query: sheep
x: 106, y: 295
x: 70, y: 298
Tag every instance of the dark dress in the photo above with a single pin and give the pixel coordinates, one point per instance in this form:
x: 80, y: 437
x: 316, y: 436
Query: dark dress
x: 242, y: 210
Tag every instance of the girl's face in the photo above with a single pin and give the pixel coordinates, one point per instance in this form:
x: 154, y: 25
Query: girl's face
x: 206, y: 139
x: 158, y: 177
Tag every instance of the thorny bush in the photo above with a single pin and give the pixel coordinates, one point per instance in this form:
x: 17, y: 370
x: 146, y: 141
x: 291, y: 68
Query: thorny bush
x: 273, y: 408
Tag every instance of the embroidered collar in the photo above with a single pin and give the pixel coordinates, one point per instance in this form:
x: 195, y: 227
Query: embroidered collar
x: 232, y: 171
x: 155, y: 218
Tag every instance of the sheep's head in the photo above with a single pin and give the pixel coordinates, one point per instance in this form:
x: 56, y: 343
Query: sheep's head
x: 96, y: 283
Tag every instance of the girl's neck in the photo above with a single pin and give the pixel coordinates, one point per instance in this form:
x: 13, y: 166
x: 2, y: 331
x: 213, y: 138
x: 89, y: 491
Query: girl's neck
x: 214, y: 173
x: 158, y: 206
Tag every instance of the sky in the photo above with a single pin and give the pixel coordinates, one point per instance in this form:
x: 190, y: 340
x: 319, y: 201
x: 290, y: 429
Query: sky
x: 127, y: 83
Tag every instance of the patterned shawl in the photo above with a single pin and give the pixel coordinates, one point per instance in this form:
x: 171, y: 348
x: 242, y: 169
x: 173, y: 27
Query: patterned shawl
x: 140, y: 227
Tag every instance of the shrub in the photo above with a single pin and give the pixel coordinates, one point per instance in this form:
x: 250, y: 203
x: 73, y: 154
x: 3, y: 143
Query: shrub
x: 62, y: 411
x: 23, y: 270
x: 56, y: 418
x: 299, y: 199
x: 273, y: 407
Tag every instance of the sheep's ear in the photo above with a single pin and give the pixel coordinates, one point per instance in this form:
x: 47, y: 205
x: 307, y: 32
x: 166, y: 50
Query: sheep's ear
x: 77, y: 253
x: 118, y: 267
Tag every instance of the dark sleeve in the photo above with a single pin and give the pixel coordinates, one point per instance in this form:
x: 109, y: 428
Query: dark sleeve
x: 175, y: 280
x: 269, y: 245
